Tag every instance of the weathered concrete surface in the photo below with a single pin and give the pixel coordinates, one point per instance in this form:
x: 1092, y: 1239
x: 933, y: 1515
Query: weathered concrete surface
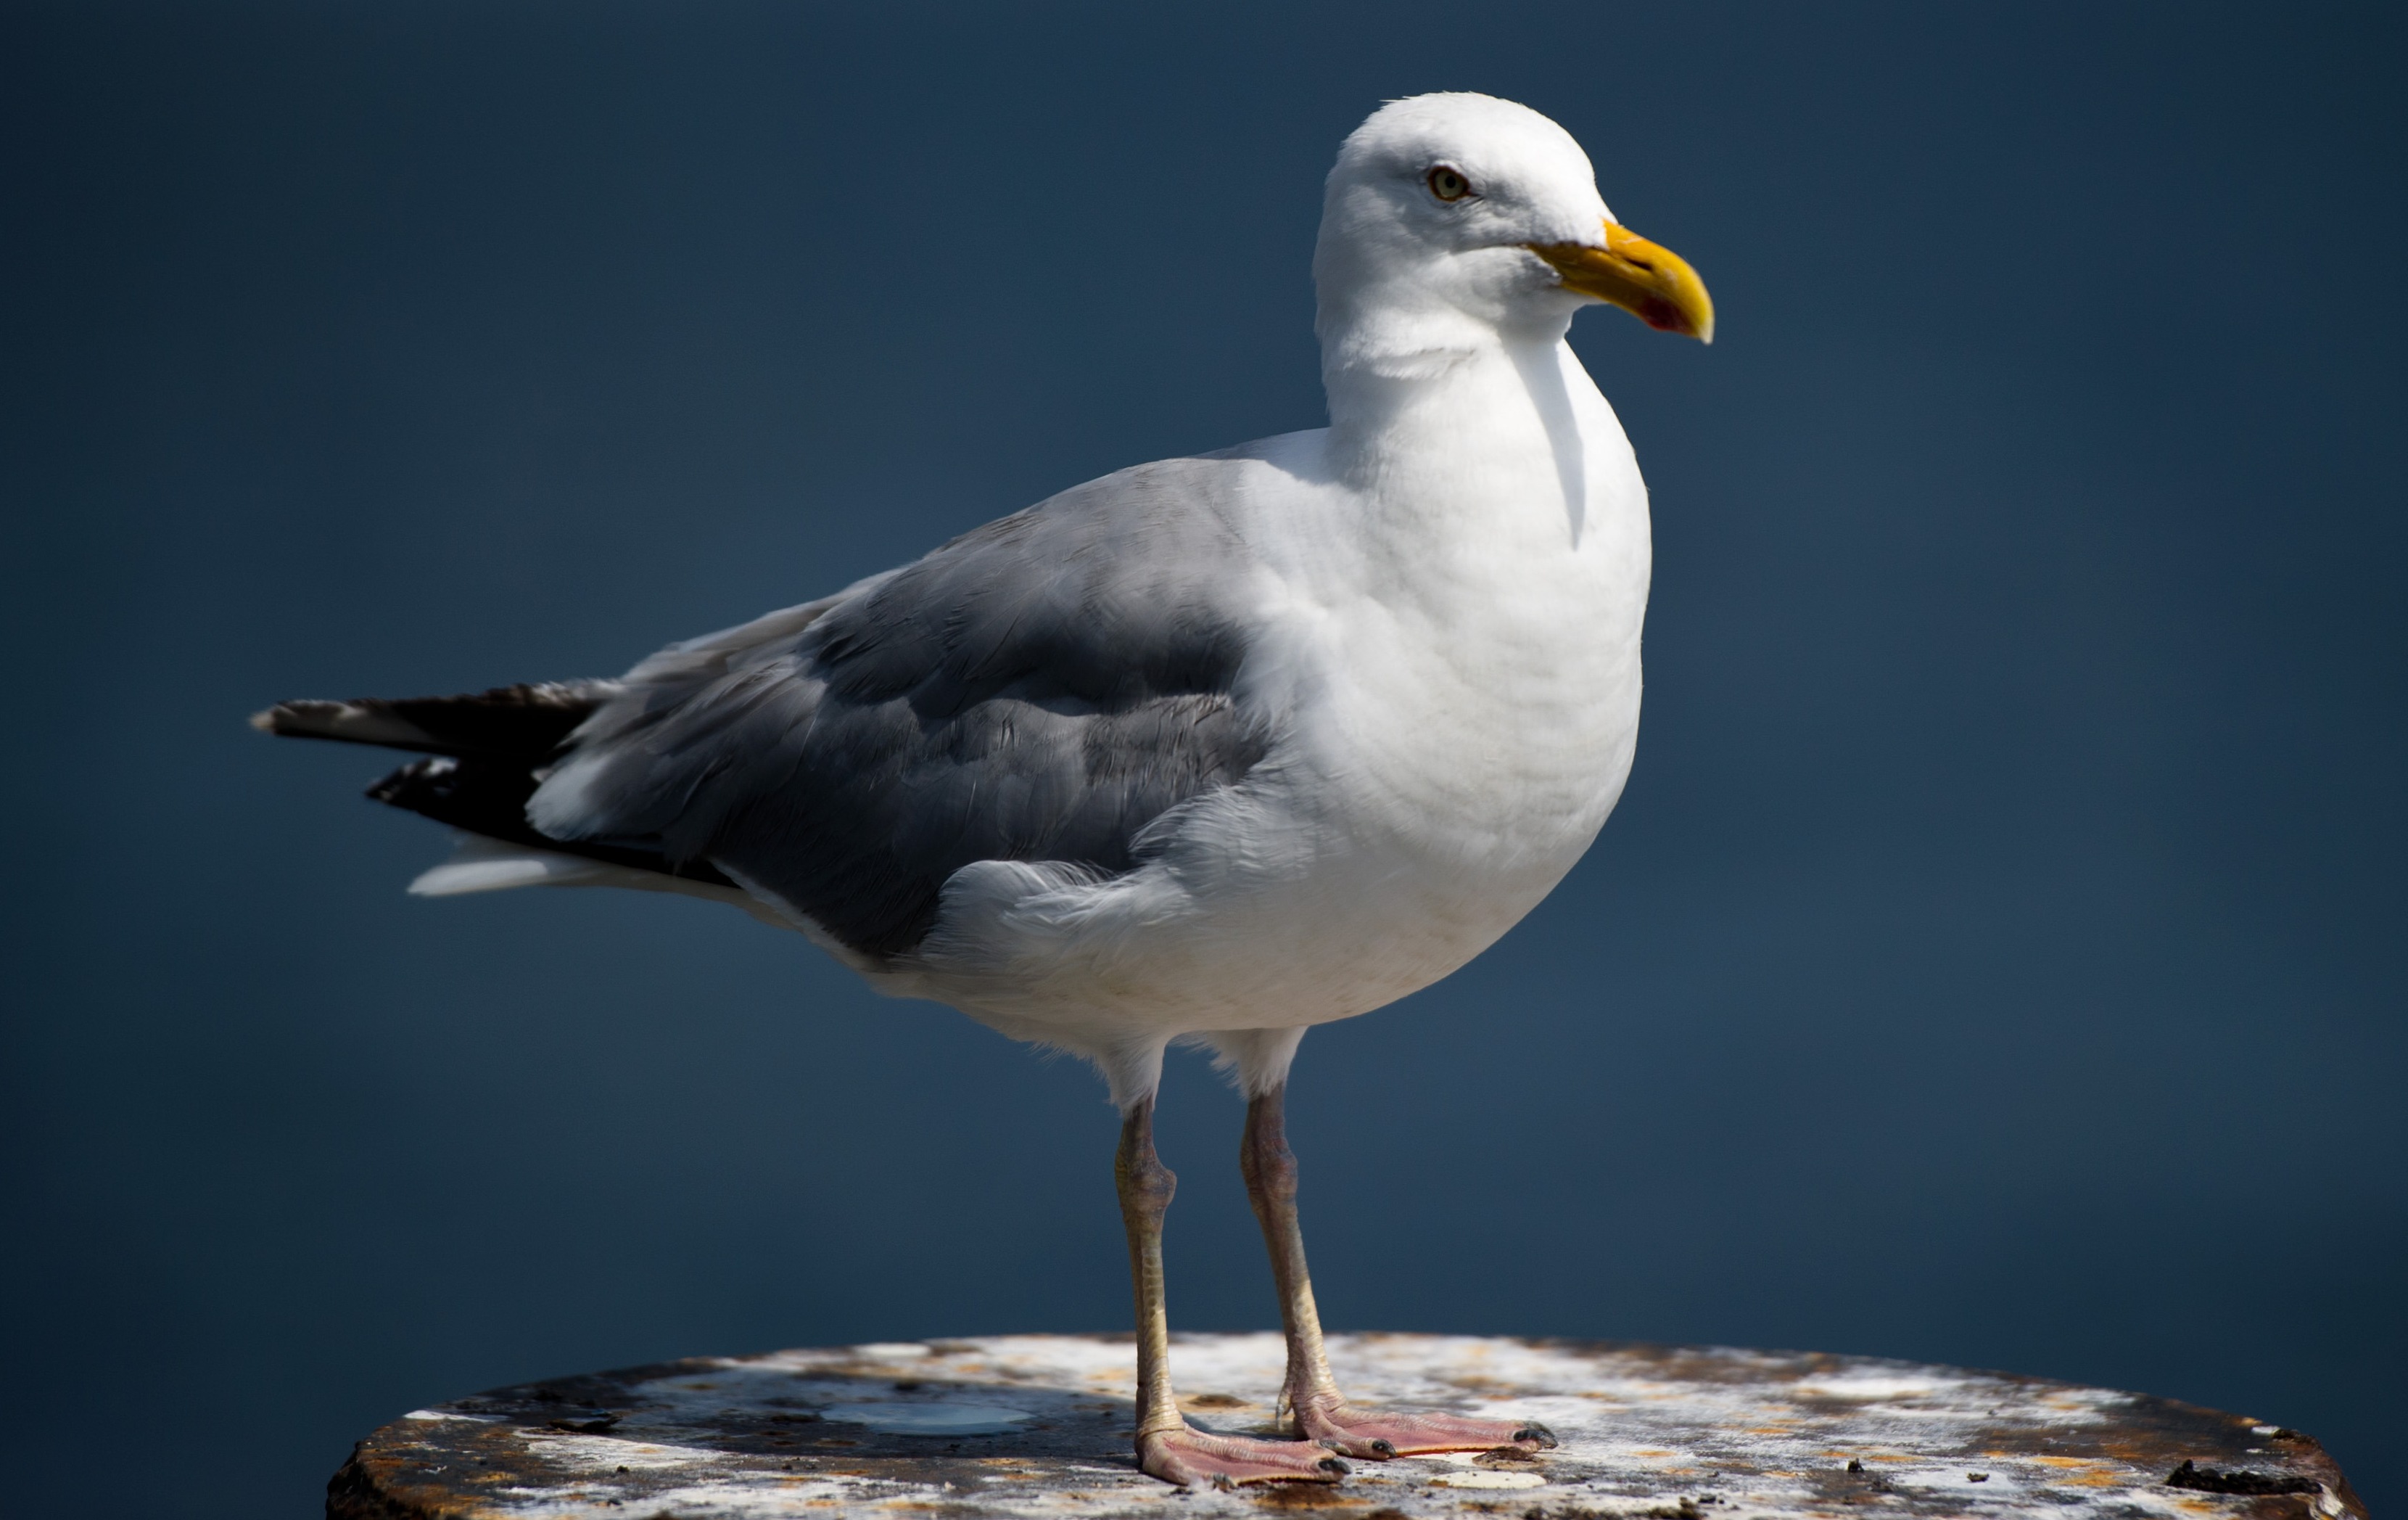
x: 1036, y: 1427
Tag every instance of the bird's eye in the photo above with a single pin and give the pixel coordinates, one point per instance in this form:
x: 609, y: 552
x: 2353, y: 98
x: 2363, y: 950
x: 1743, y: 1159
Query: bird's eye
x: 1448, y: 185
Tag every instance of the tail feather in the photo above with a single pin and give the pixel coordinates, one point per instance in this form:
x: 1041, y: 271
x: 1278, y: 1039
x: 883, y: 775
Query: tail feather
x: 482, y: 865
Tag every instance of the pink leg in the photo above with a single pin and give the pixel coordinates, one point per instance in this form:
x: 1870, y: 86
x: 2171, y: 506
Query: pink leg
x: 1167, y: 1446
x: 1320, y: 1410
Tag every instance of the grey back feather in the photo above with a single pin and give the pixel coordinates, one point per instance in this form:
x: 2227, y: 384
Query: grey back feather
x: 1039, y: 689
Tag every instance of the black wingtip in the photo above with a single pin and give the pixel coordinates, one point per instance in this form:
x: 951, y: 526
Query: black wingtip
x: 527, y: 721
x: 364, y: 722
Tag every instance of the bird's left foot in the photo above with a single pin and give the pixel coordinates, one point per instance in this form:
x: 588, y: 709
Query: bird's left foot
x: 1359, y: 1433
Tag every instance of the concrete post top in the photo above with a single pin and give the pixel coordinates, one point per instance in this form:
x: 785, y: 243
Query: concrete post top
x: 1038, y: 1426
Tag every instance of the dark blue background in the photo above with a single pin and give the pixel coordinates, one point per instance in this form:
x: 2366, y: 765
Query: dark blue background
x: 1996, y: 959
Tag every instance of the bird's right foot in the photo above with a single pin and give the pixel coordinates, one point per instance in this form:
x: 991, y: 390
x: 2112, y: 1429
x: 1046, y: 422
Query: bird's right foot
x: 1188, y: 1456
x: 1358, y: 1432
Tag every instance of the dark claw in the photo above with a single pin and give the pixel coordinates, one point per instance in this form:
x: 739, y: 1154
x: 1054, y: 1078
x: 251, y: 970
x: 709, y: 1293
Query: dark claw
x: 1222, y: 1482
x: 1383, y: 1450
x: 1332, y: 1464
x: 1537, y: 1434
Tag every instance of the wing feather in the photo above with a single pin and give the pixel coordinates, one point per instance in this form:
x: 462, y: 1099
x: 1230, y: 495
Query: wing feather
x: 1037, y: 689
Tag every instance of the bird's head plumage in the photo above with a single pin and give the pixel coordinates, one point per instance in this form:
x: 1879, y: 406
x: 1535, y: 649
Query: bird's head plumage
x: 1450, y: 213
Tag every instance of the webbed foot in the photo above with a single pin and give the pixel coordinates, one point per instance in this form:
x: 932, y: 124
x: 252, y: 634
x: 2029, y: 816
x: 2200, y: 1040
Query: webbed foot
x: 1360, y: 1432
x: 1188, y: 1456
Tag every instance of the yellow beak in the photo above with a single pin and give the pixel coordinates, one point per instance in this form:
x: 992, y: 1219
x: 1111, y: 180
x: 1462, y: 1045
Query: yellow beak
x: 1653, y: 284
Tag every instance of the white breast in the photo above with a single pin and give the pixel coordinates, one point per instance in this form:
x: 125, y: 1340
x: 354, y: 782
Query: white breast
x: 1448, y: 652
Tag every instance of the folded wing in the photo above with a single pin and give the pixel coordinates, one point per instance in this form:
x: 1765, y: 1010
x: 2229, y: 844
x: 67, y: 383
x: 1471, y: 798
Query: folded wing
x: 1039, y: 690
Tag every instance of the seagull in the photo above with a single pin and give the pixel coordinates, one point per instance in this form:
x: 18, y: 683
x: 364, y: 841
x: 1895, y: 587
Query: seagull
x: 1209, y: 750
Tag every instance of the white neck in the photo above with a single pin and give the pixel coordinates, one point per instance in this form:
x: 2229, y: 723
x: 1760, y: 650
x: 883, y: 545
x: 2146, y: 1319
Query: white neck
x: 1436, y: 407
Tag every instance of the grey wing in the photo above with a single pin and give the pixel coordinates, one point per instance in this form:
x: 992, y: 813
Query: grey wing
x: 1037, y: 689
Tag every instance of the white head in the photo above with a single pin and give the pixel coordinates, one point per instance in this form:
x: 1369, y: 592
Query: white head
x: 1453, y: 221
